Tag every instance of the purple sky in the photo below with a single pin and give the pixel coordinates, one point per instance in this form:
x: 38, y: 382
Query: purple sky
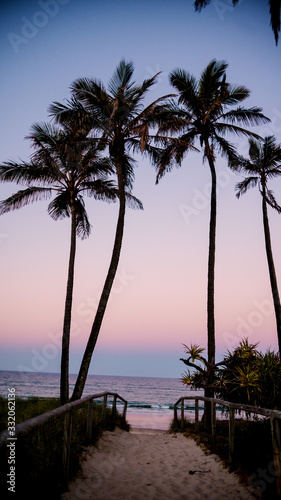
x: 159, y: 297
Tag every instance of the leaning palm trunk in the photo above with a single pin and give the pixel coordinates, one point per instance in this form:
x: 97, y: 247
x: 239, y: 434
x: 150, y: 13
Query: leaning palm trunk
x: 271, y: 268
x: 84, y: 368
x: 64, y: 381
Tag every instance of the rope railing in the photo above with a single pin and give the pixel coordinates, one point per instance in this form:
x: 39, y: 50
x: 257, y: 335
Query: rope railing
x: 24, y: 428
x: 273, y: 415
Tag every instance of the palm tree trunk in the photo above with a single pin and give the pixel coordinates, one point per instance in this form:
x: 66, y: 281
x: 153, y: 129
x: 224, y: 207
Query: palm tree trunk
x: 209, y: 391
x: 64, y: 379
x: 271, y: 268
x: 211, y: 262
x: 85, y: 364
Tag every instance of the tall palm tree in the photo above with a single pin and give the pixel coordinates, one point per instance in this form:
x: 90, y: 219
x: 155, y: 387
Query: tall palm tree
x: 264, y: 164
x: 204, y: 112
x: 274, y: 10
x: 68, y: 164
x: 123, y: 123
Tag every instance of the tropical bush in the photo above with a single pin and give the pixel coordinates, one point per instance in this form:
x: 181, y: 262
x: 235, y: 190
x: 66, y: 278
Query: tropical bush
x: 245, y: 375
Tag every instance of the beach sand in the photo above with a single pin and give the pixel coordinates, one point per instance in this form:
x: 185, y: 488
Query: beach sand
x: 154, y: 465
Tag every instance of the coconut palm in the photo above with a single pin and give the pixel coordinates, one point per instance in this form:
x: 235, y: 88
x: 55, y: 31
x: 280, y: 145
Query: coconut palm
x: 274, y: 10
x: 264, y: 164
x: 123, y: 123
x: 69, y: 165
x: 204, y: 112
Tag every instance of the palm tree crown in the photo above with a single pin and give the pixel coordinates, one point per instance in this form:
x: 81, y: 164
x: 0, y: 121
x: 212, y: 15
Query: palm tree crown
x: 118, y: 117
x: 264, y: 165
x: 65, y: 163
x: 68, y: 163
x: 204, y: 111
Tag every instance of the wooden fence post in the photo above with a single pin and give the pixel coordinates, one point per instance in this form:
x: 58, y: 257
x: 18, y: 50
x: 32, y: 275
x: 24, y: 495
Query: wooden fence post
x: 124, y: 411
x: 175, y: 414
x: 66, y: 444
x: 114, y: 408
x: 275, y: 436
x: 104, y: 406
x: 213, y: 423
x: 231, y: 435
x: 182, y: 413
x: 90, y: 420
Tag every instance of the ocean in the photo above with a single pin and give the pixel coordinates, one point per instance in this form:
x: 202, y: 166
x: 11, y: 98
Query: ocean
x: 150, y: 400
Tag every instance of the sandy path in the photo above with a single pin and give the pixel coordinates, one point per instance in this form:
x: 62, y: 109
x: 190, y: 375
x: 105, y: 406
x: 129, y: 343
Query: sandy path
x: 149, y: 465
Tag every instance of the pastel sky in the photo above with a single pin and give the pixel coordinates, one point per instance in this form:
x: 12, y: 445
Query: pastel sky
x: 159, y: 296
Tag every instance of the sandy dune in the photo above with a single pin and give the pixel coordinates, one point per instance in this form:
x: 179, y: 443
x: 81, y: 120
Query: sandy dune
x: 147, y: 464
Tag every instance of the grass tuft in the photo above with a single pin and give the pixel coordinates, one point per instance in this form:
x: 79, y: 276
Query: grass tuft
x: 39, y: 471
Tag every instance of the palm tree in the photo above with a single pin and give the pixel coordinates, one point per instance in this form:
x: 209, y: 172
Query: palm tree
x: 204, y: 112
x: 264, y: 164
x: 68, y: 164
x: 274, y: 10
x: 123, y: 123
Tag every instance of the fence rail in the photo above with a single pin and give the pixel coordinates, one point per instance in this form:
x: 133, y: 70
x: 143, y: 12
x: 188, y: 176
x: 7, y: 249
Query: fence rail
x: 26, y: 427
x: 273, y: 415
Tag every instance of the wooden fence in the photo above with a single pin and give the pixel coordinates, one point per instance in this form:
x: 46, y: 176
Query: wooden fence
x: 24, y: 428
x: 273, y: 415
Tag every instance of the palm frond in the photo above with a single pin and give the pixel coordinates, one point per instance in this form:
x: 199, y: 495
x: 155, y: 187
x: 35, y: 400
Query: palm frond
x: 194, y: 351
x: 173, y: 153
x: 211, y: 81
x: 44, y: 134
x: 101, y: 189
x: 11, y: 171
x: 270, y: 199
x: 243, y: 186
x: 133, y: 202
x: 23, y: 198
x: 226, y: 149
x: 187, y: 86
x: 83, y: 226
x: 60, y: 206
x: 235, y: 94
x: 255, y: 152
x: 249, y: 117
x: 231, y: 128
x: 73, y: 115
x: 25, y: 173
x: 275, y: 7
x: 121, y: 77
x: 200, y: 4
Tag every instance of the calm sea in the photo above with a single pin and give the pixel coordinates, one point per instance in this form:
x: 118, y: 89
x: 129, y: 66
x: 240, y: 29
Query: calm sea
x: 150, y: 400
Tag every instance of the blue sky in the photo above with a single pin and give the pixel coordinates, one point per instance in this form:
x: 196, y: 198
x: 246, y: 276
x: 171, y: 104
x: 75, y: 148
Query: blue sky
x: 159, y: 299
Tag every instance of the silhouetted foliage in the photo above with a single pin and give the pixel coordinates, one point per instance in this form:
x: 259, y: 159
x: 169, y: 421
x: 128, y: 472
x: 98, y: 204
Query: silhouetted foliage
x: 274, y: 11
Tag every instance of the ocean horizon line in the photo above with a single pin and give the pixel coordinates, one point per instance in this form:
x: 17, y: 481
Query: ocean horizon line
x: 90, y: 374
